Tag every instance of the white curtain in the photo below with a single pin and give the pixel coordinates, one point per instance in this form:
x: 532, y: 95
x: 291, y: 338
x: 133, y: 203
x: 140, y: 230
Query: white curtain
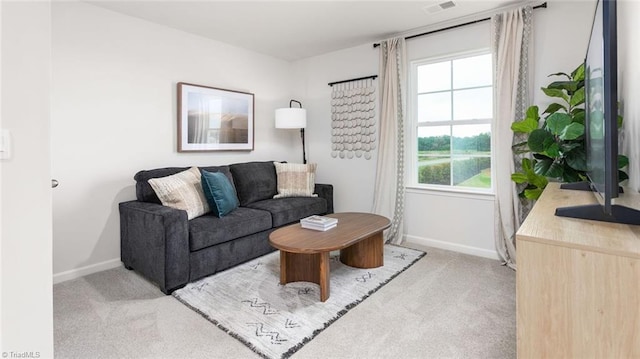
x: 511, y: 38
x: 389, y: 186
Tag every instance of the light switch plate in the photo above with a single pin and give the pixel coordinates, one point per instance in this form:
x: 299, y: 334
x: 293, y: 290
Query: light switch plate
x: 5, y: 144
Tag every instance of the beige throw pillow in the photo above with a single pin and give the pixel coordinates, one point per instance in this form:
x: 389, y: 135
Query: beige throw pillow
x: 295, y: 180
x: 182, y: 190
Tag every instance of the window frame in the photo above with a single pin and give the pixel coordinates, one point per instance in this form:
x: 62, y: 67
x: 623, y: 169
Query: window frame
x: 414, y: 124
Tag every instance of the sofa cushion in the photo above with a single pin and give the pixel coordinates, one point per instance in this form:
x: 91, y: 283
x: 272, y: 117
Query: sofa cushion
x: 291, y: 209
x: 219, y: 192
x: 295, y: 179
x: 182, y: 190
x: 145, y: 193
x: 254, y: 181
x: 209, y: 230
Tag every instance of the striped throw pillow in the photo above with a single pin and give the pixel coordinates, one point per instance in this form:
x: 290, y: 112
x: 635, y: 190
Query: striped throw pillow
x: 183, y: 191
x: 295, y: 180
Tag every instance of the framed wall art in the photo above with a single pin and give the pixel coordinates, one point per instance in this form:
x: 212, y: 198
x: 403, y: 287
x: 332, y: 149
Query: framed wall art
x: 214, y: 119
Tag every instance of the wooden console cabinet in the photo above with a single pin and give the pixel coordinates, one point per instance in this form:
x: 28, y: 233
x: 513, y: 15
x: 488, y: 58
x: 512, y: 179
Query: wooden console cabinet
x: 578, y: 282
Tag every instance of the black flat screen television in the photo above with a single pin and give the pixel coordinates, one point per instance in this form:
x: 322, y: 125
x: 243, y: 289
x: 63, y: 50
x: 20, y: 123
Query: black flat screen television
x: 601, y: 123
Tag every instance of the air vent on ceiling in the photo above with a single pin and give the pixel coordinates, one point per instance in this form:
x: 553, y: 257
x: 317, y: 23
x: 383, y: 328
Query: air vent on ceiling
x: 439, y: 7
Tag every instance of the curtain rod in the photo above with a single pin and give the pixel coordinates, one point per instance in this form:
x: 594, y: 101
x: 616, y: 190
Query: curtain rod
x: 373, y: 77
x: 543, y: 5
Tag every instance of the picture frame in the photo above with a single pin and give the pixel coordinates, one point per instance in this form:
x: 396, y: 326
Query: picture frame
x: 214, y: 119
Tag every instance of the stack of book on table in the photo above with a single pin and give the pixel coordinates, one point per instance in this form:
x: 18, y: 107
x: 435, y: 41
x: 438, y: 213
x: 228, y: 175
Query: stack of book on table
x: 319, y: 223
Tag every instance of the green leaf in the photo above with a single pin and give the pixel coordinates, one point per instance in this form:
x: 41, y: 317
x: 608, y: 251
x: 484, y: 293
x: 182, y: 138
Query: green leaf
x: 557, y: 122
x: 572, y: 131
x: 578, y: 73
x: 577, y: 159
x: 569, y: 86
x: 554, y: 107
x: 533, y: 178
x: 552, y: 150
x: 622, y: 176
x: 538, y: 138
x: 548, y: 169
x: 556, y: 93
x: 560, y: 74
x: 542, y: 157
x: 533, y: 194
x: 577, y: 98
x: 520, y: 148
x: 525, y: 126
x: 521, y: 194
x: 555, y: 171
x: 567, y: 147
x: 532, y: 112
x: 529, y: 123
x: 542, y: 167
x: 570, y: 175
x: 578, y: 116
x: 623, y: 161
x: 538, y: 181
x: 620, y: 119
x: 519, y: 177
x: 520, y: 144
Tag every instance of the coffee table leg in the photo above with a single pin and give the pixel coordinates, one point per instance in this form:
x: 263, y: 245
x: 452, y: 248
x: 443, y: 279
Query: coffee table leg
x: 299, y: 267
x: 367, y: 253
x: 283, y: 267
x: 325, y: 288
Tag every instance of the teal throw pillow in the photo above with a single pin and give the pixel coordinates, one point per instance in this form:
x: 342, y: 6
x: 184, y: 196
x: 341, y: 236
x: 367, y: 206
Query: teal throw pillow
x: 219, y: 192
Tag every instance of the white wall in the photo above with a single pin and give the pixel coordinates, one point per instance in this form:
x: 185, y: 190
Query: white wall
x: 26, y: 304
x: 114, y: 113
x: 447, y: 220
x: 560, y: 41
x: 353, y: 179
x: 629, y: 85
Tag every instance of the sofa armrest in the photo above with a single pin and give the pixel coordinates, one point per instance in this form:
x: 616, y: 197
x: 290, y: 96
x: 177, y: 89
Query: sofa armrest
x: 325, y: 191
x: 154, y: 240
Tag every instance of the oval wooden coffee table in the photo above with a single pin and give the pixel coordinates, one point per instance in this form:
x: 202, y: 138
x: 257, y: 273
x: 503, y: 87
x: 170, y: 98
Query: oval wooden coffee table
x: 304, y: 253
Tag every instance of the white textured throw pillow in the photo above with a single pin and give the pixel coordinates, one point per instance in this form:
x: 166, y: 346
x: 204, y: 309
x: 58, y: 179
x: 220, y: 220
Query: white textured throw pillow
x: 182, y: 191
x: 296, y: 180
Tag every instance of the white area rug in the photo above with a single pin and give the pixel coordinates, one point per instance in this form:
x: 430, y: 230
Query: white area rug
x: 275, y: 321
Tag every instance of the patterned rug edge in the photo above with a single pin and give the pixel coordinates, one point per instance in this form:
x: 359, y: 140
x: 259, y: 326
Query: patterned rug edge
x: 306, y: 340
x: 231, y: 333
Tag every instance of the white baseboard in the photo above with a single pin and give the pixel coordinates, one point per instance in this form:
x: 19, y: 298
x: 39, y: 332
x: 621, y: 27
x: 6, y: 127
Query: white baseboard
x: 455, y: 247
x: 90, y: 269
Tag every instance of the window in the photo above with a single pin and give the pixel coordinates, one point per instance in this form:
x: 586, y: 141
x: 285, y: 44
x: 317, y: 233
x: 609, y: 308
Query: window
x: 452, y: 109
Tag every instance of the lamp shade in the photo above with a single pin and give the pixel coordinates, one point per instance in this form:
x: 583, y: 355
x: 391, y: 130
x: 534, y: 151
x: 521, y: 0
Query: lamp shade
x: 291, y: 118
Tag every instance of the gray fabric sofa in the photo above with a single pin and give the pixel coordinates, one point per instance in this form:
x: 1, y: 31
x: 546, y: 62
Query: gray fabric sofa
x: 171, y: 251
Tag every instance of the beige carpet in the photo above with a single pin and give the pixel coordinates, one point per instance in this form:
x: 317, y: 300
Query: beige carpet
x: 447, y: 305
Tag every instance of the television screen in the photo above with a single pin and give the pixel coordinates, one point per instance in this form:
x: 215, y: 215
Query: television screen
x: 601, y: 104
x: 601, y: 123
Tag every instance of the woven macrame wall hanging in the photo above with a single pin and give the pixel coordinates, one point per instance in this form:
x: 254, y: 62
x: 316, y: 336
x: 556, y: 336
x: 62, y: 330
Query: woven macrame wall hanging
x: 353, y: 121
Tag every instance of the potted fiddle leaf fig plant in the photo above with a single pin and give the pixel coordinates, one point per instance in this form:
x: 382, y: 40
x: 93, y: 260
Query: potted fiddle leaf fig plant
x: 556, y: 144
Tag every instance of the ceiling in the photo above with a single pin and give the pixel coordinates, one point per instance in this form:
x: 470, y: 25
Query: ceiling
x: 293, y: 30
